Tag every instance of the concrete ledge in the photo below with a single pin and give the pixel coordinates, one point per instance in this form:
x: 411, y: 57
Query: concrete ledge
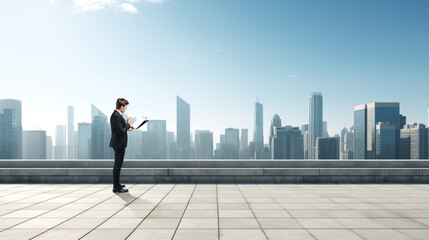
x: 216, y: 179
x: 198, y: 163
x: 279, y: 175
x: 291, y: 171
x: 215, y: 171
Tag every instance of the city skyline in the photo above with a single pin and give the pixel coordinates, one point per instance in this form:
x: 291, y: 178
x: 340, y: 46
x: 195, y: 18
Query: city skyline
x: 379, y: 131
x: 267, y: 127
x: 352, y: 52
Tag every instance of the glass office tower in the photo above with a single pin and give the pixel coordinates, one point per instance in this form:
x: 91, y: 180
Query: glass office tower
x: 359, y: 137
x: 366, y: 118
x: 10, y: 129
x: 385, y: 145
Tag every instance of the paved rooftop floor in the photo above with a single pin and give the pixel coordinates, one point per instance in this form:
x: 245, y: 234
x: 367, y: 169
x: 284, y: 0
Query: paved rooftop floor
x: 210, y: 211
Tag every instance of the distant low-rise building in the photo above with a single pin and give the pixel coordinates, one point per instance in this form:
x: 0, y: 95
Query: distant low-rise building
x: 327, y: 148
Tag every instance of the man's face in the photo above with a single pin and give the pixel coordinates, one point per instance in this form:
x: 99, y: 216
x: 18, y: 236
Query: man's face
x: 123, y: 108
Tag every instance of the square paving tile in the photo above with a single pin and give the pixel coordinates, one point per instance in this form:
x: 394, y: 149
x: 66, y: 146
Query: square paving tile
x: 319, y: 223
x: 193, y: 213
x: 234, y: 234
x: 160, y: 223
x: 329, y: 234
x: 108, y: 234
x: 235, y: 213
x: 120, y: 223
x: 81, y: 223
x: 288, y: 234
x: 63, y: 234
x: 199, y: 223
x: 196, y: 234
x: 152, y: 234
x: 279, y: 223
x: 381, y: 234
x: 238, y: 223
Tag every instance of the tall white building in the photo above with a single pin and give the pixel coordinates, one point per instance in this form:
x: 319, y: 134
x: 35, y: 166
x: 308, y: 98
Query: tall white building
x: 183, y: 123
x: 258, y: 134
x: 71, y: 146
x: 60, y: 142
x: 315, y: 123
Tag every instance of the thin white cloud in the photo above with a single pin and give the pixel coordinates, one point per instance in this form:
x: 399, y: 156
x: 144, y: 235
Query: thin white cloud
x: 93, y: 5
x: 126, y: 7
x: 152, y: 1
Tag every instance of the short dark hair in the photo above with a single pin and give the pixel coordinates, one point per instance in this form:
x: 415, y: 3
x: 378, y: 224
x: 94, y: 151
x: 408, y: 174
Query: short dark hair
x: 121, y: 102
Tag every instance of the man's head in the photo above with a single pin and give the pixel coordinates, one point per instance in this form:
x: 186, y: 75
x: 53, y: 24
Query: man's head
x: 121, y: 104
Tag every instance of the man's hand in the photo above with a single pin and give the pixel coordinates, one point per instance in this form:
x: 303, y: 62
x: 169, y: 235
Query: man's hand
x: 129, y: 120
x: 131, y: 128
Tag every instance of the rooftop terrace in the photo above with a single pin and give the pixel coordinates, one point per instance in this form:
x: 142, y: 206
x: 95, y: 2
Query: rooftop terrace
x: 215, y: 211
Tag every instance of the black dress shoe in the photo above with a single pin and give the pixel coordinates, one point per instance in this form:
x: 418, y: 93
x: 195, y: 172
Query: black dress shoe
x: 120, y: 190
x: 122, y: 186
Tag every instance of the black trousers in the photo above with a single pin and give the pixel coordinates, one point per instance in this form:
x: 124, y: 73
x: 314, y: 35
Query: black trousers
x: 119, y: 160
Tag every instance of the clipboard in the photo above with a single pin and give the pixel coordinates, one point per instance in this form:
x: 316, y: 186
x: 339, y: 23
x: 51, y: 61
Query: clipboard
x: 140, y: 122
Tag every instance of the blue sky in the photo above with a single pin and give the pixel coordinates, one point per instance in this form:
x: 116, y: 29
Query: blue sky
x: 217, y: 55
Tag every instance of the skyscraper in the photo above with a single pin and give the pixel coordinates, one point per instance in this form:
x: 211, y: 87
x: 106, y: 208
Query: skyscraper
x: 34, y: 144
x: 366, y: 117
x: 287, y: 143
x: 10, y: 129
x: 183, y: 118
x: 348, y: 144
x: 134, y: 148
x: 343, y: 136
x: 325, y: 129
x: 304, y: 127
x: 275, y: 122
x: 100, y: 135
x: 157, y: 130
x: 71, y: 148
x: 84, y: 140
x: 414, y: 141
x: 315, y: 124
x: 49, y: 147
x: 359, y: 141
x: 385, y: 143
x: 382, y: 112
x: 203, y: 144
x: 402, y: 121
x: 60, y: 142
x: 171, y: 145
x: 231, y: 146
x: 244, y: 144
x: 258, y: 134
x: 305, y: 144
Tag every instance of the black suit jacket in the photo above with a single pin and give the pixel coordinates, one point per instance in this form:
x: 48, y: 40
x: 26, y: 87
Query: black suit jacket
x: 119, y: 131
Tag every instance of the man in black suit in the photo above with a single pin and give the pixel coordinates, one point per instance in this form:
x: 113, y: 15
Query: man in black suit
x: 119, y: 141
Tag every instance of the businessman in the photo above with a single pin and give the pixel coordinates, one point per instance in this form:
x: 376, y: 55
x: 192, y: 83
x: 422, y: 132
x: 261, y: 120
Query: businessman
x: 119, y: 141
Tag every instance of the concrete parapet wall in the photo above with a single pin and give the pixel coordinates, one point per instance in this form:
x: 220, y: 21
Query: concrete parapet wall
x: 251, y: 171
